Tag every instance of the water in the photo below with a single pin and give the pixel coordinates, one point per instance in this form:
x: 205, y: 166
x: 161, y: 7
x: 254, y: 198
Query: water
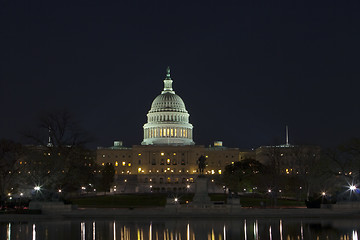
x: 182, y: 229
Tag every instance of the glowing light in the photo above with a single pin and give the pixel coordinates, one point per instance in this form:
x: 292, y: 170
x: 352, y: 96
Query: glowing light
x: 34, y: 232
x: 59, y: 190
x: 37, y: 188
x: 269, y: 190
x: 352, y: 188
x: 323, y: 193
x: 188, y: 186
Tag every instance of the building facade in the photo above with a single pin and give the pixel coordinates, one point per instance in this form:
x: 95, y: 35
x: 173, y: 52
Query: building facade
x: 167, y: 159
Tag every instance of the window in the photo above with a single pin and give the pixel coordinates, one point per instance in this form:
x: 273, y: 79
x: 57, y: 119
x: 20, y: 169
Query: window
x: 168, y: 161
x: 162, y: 162
x: 161, y: 180
x: 116, y: 164
x: 153, y: 162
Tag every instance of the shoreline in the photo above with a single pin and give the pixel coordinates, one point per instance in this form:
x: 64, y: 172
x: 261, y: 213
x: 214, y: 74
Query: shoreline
x: 156, y: 213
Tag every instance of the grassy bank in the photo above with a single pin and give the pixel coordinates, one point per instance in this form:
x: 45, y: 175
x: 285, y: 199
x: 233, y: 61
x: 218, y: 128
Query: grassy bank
x: 159, y: 200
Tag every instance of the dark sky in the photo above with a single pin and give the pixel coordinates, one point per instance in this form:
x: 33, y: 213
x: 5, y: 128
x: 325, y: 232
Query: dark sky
x: 244, y: 69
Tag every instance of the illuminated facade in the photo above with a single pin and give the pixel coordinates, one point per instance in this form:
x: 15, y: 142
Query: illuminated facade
x: 160, y: 168
x: 168, y: 120
x: 167, y: 158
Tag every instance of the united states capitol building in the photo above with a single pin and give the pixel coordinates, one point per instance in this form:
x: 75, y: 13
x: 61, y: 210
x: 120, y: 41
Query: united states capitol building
x: 166, y: 160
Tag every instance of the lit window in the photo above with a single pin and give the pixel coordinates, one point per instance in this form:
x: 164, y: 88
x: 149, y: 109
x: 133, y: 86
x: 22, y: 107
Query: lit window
x: 219, y: 171
x: 139, y: 169
x: 172, y: 132
x: 123, y: 163
x: 168, y: 169
x: 212, y: 172
x: 129, y: 164
x: 162, y: 154
x: 168, y: 161
x: 103, y: 155
x: 139, y: 154
x: 103, y: 164
x: 116, y: 164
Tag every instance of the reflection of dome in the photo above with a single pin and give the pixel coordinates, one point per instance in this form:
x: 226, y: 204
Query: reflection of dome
x: 168, y: 120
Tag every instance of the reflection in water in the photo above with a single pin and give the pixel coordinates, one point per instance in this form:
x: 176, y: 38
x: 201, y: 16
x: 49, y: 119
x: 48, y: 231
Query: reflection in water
x: 270, y: 234
x: 33, y: 232
x: 224, y: 232
x: 183, y: 229
x: 94, y: 230
x: 245, y: 234
x: 8, y: 231
x: 114, y: 227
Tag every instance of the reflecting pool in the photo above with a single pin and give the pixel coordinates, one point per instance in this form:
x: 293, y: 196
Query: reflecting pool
x: 186, y: 229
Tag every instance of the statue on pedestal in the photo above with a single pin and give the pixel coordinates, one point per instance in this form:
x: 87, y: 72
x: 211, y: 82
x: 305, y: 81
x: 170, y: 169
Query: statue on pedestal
x: 202, y: 164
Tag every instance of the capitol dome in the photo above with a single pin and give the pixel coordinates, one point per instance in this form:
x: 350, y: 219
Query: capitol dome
x: 168, y: 120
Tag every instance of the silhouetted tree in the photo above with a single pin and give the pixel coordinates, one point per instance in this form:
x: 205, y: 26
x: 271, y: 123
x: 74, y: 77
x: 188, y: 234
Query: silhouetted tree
x: 243, y: 174
x: 59, y: 159
x: 107, y: 177
x: 11, y: 155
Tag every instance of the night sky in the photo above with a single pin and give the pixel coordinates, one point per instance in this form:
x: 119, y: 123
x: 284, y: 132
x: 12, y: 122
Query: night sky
x: 244, y: 69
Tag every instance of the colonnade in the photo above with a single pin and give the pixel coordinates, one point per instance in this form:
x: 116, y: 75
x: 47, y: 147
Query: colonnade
x: 167, y: 117
x: 176, y: 132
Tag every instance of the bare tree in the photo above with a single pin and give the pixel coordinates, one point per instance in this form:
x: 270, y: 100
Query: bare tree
x: 59, y: 158
x: 11, y: 155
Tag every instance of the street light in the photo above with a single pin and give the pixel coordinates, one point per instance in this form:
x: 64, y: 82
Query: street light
x: 37, y: 188
x: 352, y: 188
